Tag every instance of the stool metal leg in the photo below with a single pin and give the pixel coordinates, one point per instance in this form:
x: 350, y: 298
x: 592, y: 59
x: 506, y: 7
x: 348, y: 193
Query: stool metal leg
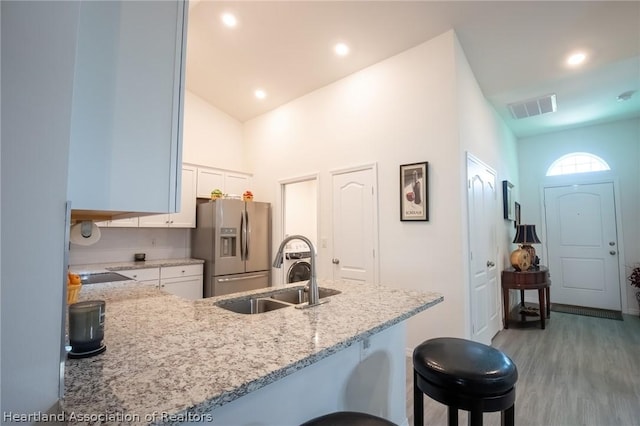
x: 475, y: 418
x: 453, y: 416
x: 507, y: 417
x: 418, y: 402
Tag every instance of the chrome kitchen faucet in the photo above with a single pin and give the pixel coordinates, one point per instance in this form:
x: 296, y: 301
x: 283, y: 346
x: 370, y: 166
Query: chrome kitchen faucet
x: 314, y: 297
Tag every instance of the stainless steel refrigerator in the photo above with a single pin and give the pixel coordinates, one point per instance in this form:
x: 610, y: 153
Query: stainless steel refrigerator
x: 234, y: 239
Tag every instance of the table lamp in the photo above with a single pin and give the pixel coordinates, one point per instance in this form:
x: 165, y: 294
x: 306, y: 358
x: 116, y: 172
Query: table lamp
x: 525, y: 256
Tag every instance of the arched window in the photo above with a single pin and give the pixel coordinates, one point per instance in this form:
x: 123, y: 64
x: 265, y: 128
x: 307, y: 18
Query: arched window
x: 577, y: 162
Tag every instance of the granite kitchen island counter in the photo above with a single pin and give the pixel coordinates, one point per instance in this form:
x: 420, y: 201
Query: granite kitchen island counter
x: 170, y: 360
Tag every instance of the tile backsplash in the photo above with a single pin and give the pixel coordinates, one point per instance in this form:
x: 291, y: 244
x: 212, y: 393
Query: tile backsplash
x: 120, y: 244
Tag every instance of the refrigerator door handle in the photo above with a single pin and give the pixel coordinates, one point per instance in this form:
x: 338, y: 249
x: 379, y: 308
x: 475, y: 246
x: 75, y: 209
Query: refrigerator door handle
x: 247, y: 231
x: 249, y: 277
x: 243, y: 236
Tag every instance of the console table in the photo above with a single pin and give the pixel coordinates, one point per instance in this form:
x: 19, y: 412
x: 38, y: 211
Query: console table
x: 533, y: 279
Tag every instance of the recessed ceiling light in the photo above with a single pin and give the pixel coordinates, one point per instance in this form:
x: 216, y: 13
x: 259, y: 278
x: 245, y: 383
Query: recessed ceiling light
x: 260, y: 94
x: 229, y: 20
x: 341, y: 49
x: 576, y: 59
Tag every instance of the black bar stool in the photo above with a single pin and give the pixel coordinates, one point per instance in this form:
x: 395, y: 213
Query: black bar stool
x: 464, y: 375
x: 348, y: 418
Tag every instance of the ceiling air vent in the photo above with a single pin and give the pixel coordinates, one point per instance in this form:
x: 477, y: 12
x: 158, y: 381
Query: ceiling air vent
x: 531, y: 107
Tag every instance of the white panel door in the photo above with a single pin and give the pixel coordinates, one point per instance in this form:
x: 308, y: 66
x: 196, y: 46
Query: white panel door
x: 354, y: 226
x: 582, y: 245
x: 485, y: 296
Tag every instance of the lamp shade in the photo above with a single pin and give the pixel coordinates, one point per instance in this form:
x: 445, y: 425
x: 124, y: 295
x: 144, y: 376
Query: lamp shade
x: 526, y: 234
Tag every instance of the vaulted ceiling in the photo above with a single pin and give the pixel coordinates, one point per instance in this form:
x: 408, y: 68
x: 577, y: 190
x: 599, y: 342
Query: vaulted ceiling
x: 516, y: 49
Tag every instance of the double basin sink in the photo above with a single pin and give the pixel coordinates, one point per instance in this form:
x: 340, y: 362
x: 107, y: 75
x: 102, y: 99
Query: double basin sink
x: 271, y: 301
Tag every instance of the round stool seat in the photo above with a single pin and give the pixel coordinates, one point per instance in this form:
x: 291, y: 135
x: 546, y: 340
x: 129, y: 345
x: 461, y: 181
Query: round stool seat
x: 348, y: 418
x: 460, y: 365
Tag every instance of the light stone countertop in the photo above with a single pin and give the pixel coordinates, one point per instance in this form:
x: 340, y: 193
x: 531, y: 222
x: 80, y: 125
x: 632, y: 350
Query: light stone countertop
x: 121, y: 266
x: 169, y: 355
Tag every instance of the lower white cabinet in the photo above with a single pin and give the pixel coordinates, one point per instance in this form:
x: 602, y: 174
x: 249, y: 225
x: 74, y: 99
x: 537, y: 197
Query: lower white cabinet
x: 184, y: 281
x: 147, y: 275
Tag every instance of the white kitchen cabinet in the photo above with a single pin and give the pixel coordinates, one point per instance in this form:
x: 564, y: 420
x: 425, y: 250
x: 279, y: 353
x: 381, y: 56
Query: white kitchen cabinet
x: 146, y: 275
x: 127, y: 106
x: 186, y: 218
x: 236, y: 183
x: 130, y: 222
x: 208, y: 180
x: 233, y: 183
x: 184, y: 281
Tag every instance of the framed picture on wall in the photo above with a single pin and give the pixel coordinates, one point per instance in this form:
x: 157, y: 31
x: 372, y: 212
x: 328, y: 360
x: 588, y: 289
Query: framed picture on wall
x: 414, y: 192
x: 507, y: 200
x: 517, y: 213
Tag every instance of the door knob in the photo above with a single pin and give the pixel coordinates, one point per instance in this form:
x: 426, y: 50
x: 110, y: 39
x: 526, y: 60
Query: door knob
x: 335, y: 261
x: 612, y: 252
x: 490, y: 264
x: 612, y: 243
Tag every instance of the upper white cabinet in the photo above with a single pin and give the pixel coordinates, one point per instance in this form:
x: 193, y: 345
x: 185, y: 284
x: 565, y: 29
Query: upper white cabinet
x: 208, y: 180
x: 125, y: 151
x: 236, y: 183
x: 186, y: 218
x: 228, y: 182
x: 130, y: 222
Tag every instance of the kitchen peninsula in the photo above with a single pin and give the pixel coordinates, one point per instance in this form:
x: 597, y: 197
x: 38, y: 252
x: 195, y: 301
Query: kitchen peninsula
x: 175, y: 361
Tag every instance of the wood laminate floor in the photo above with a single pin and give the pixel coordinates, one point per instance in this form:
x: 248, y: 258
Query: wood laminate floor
x: 578, y: 371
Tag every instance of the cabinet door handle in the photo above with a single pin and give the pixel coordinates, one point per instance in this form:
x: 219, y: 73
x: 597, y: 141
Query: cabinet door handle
x: 490, y: 264
x: 335, y: 261
x: 612, y: 252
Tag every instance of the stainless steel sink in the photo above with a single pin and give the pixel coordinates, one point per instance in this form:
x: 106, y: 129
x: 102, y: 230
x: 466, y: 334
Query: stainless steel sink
x: 272, y: 301
x: 252, y: 306
x: 299, y: 295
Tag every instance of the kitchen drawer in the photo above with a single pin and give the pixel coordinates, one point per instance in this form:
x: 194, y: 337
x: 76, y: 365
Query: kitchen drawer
x: 147, y: 274
x: 181, y: 271
x: 187, y: 287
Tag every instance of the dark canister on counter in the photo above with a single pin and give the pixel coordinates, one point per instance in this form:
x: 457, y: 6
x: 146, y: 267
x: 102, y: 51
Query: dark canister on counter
x: 86, y: 328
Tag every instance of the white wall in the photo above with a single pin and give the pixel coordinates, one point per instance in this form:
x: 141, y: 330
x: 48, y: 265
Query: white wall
x: 483, y: 134
x: 618, y: 144
x: 120, y: 244
x: 401, y: 110
x: 211, y: 137
x: 301, y: 207
x: 38, y: 57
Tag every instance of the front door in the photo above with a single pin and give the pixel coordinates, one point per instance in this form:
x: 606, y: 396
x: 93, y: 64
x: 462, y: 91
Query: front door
x: 485, y: 297
x: 582, y: 245
x: 354, y: 225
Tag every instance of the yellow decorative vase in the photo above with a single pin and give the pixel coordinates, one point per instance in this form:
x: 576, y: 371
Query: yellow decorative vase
x: 520, y: 259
